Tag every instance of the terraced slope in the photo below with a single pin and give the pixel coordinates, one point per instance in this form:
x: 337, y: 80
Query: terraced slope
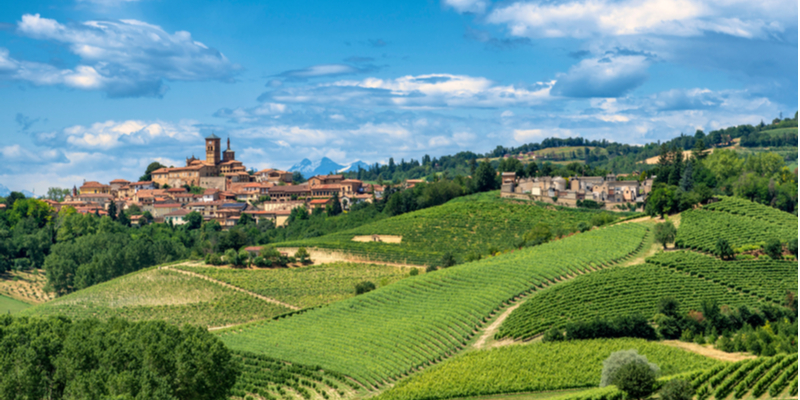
x: 765, y: 278
x: 307, y: 286
x: 159, y: 294
x: 458, y: 227
x: 394, y: 330
x: 535, y: 367
x: 752, y: 378
x: 740, y: 222
x: 614, y: 292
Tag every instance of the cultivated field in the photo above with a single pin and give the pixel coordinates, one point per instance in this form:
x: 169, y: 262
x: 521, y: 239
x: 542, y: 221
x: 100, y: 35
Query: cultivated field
x: 160, y: 294
x: 11, y: 306
x: 305, y: 287
x: 27, y: 286
x: 772, y: 376
x: 394, y: 330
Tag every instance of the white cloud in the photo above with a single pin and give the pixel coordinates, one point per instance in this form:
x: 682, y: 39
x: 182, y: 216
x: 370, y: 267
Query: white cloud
x: 122, y: 58
x: 113, y: 134
x: 467, y: 6
x: 535, y: 135
x: 611, y: 76
x: 588, y: 18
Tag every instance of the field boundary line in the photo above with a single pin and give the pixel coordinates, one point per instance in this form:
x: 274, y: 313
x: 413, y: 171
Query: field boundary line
x: 228, y: 285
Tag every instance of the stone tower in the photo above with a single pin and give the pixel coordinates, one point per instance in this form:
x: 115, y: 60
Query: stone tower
x: 228, y: 155
x: 212, y: 149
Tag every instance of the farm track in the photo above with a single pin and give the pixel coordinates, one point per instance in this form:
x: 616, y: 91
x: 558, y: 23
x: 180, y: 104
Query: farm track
x: 708, y: 351
x: 321, y: 256
x: 228, y: 285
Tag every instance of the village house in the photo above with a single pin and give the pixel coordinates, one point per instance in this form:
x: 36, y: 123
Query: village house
x: 274, y: 176
x: 94, y: 187
x: 567, y: 191
x: 177, y: 217
x: 216, y: 164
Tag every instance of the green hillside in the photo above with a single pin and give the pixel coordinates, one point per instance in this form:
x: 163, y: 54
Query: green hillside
x: 459, y: 227
x: 419, y: 320
x: 11, y: 306
x: 614, y: 292
x: 740, y: 222
x: 535, y: 367
x: 160, y: 294
x: 775, y: 377
x: 780, y: 131
x: 306, y: 286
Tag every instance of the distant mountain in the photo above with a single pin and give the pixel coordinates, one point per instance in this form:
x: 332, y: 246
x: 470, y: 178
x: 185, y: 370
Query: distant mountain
x: 325, y: 166
x: 5, y: 191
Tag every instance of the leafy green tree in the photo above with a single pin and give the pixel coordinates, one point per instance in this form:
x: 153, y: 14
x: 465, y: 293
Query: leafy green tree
x: 773, y: 248
x: 149, y: 171
x: 723, y: 249
x: 448, y: 260
x: 335, y: 208
x: 485, y: 178
x: 112, y: 210
x: 245, y: 219
x: 56, y: 194
x: 677, y: 389
x: 302, y: 255
x: 792, y: 246
x: 617, y: 360
x: 637, y: 380
x: 364, y: 287
x: 669, y: 306
x: 193, y: 220
x: 12, y: 198
x: 147, y: 217
x: 665, y: 233
x: 532, y: 169
x: 123, y: 219
x: 540, y: 233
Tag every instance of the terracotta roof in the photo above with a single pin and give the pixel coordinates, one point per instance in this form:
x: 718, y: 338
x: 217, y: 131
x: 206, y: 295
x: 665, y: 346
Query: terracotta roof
x: 252, y: 248
x: 320, y: 201
x: 329, y: 186
x: 177, y: 213
x: 120, y: 181
x: 254, y: 184
x: 92, y: 184
x: 351, y: 181
x: 95, y: 195
x: 290, y: 189
x: 167, y: 205
x: 211, y: 191
x: 231, y: 162
x: 328, y: 177
x: 176, y: 190
x: 142, y: 183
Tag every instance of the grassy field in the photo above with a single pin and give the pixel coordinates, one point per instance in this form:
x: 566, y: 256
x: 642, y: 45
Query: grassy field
x: 11, y: 306
x: 535, y: 367
x: 614, y: 292
x: 472, y: 224
x: 157, y: 294
x: 780, y: 131
x: 393, y: 330
x: 27, y: 286
x: 307, y: 286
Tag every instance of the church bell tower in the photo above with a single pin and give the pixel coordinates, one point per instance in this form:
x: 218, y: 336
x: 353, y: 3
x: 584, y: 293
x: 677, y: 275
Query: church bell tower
x: 212, y: 149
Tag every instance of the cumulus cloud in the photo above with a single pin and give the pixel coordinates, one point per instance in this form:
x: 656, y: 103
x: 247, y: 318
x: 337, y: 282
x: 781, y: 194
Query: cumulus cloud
x: 15, y: 155
x: 611, y: 76
x: 431, y: 90
x: 126, y: 58
x: 128, y: 134
x: 467, y: 6
x: 584, y: 19
x: 327, y: 70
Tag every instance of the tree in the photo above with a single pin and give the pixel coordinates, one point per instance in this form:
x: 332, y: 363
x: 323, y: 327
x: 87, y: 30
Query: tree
x: 147, y: 217
x: 669, y: 307
x: 533, y: 169
x: 540, y: 233
x: 149, y: 171
x: 364, y: 287
x: 12, y: 198
x: 677, y: 389
x: 619, y: 359
x: 245, y: 219
x: 773, y: 248
x: 448, y: 260
x: 302, y: 256
x: 123, y: 219
x: 56, y: 194
x: 687, y: 180
x: 112, y: 210
x: 335, y: 208
x: 484, y: 178
x: 665, y: 233
x: 723, y: 249
x: 637, y: 380
x: 193, y: 220
x: 698, y: 152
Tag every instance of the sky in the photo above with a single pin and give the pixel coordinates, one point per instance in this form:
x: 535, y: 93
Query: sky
x: 98, y: 89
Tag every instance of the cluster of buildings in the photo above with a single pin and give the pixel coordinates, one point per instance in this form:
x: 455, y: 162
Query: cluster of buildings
x: 228, y: 191
x: 568, y: 191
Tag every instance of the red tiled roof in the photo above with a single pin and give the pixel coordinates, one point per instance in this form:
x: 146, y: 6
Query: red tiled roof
x: 211, y: 191
x: 329, y: 186
x: 120, y: 181
x: 95, y: 195
x: 142, y: 183
x: 167, y: 205
x: 92, y: 184
x: 254, y: 184
x: 176, y: 190
x: 319, y: 201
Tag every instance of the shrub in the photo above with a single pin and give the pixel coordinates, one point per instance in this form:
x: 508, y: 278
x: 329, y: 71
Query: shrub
x: 667, y: 327
x: 553, y: 335
x: 619, y: 359
x: 303, y: 256
x: 414, y: 272
x: 472, y: 256
x: 636, y: 379
x: 244, y: 258
x: 431, y: 268
x: 262, y: 262
x: 584, y: 226
x: 773, y: 248
x: 665, y: 233
x: 669, y: 307
x: 622, y: 326
x: 448, y: 260
x: 602, y: 219
x: 686, y: 336
x: 792, y: 246
x: 677, y: 389
x: 232, y: 257
x: 214, y: 259
x: 723, y: 249
x: 364, y: 287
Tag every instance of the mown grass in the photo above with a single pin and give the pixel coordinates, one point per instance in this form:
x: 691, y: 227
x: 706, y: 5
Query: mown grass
x: 158, y: 294
x: 11, y: 306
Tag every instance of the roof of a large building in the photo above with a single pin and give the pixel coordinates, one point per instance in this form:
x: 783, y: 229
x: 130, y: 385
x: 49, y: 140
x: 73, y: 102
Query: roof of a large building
x: 290, y: 189
x: 234, y: 205
x: 95, y: 195
x: 140, y: 183
x: 92, y: 184
x: 120, y: 181
x: 177, y: 213
x: 167, y: 205
x: 325, y: 177
x: 212, y: 136
x: 176, y: 190
x: 320, y: 201
x: 326, y: 187
x: 211, y: 191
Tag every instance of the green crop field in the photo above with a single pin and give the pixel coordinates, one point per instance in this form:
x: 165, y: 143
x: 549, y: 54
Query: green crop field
x: 740, y: 222
x: 391, y: 331
x: 749, y: 378
x: 780, y: 131
x: 458, y: 227
x: 535, y: 367
x: 307, y: 286
x: 766, y: 278
x: 158, y: 294
x: 614, y: 292
x: 11, y: 306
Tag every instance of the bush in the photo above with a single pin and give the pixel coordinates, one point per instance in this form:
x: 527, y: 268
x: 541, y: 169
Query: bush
x: 792, y: 246
x: 448, y: 260
x: 622, y: 326
x: 723, y: 249
x: 414, y: 272
x: 244, y: 258
x: 431, y: 268
x: 773, y: 248
x: 303, y: 256
x: 677, y: 389
x: 665, y: 233
x: 667, y: 327
x: 636, y: 379
x: 472, y: 256
x: 232, y: 257
x: 22, y: 264
x: 214, y: 259
x: 686, y: 336
x: 262, y: 262
x: 553, y: 335
x: 364, y: 287
x: 619, y: 359
x: 602, y: 219
x: 584, y: 226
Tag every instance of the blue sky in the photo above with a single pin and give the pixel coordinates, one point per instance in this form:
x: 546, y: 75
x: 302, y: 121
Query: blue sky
x: 97, y: 89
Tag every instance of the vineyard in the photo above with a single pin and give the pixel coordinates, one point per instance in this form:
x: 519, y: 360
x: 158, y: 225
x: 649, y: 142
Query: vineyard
x: 754, y: 377
x: 740, y: 222
x: 158, y: 294
x: 614, y: 292
x: 766, y: 278
x: 272, y: 379
x: 459, y: 227
x: 420, y: 320
x: 535, y: 367
x: 307, y: 286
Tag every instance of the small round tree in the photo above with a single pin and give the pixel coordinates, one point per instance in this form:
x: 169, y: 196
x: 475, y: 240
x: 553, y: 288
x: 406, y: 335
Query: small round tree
x: 619, y: 359
x: 636, y: 379
x: 724, y: 249
x: 677, y: 389
x: 773, y: 248
x: 364, y: 287
x: 665, y: 233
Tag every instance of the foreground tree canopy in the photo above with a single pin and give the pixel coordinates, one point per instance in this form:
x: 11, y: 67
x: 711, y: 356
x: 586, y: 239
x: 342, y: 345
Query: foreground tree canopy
x: 55, y: 358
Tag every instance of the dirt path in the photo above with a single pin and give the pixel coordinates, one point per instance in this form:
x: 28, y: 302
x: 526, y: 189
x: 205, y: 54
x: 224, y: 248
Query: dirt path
x: 379, y: 238
x: 324, y: 256
x: 228, y: 285
x: 492, y: 329
x: 708, y: 351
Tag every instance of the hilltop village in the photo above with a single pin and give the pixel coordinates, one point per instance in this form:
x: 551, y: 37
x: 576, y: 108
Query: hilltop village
x: 218, y: 188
